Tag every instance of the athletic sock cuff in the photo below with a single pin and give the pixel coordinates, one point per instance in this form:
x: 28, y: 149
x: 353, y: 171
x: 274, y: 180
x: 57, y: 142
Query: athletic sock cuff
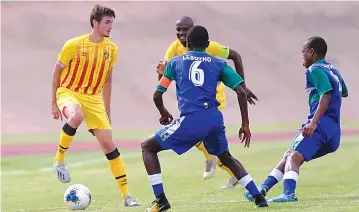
x: 277, y: 174
x: 291, y: 175
x: 245, y: 180
x: 69, y: 130
x: 113, y: 155
x: 155, y: 179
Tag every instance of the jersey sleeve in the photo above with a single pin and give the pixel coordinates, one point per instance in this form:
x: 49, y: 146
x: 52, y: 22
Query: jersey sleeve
x: 171, y: 52
x: 168, y: 76
x: 218, y: 50
x: 66, y: 54
x: 114, y: 59
x: 320, y: 80
x: 230, y: 78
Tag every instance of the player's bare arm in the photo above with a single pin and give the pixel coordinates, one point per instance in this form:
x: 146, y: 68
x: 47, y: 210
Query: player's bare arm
x: 238, y: 64
x: 106, y: 93
x: 324, y: 101
x: 164, y: 83
x: 166, y: 117
x: 56, y: 75
x: 232, y: 80
x: 242, y: 101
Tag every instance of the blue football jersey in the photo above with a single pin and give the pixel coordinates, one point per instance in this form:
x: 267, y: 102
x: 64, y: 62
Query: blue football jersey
x: 323, y: 77
x: 197, y: 75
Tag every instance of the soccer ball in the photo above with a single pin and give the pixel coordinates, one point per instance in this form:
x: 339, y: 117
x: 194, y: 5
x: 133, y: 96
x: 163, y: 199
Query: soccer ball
x: 77, y: 197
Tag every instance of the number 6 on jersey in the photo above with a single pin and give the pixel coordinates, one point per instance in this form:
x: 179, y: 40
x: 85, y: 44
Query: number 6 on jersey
x: 196, y: 75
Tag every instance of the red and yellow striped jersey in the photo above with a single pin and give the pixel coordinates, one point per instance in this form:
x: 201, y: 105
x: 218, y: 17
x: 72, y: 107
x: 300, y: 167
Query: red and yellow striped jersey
x: 86, y: 64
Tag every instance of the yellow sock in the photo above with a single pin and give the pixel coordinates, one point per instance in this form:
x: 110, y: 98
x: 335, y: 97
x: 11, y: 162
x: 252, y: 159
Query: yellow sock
x: 225, y: 168
x: 202, y: 148
x: 66, y: 137
x: 118, y: 169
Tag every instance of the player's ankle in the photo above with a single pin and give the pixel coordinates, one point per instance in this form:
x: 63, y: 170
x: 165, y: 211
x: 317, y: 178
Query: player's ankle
x: 162, y: 198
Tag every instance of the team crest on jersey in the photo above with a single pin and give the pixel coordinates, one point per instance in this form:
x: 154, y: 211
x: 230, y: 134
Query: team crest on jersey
x: 106, y: 55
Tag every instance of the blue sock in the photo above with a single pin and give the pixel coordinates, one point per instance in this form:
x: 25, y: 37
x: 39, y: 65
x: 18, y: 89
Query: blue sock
x: 156, y: 183
x: 290, y: 182
x: 273, y: 178
x: 158, y: 190
x: 247, y: 182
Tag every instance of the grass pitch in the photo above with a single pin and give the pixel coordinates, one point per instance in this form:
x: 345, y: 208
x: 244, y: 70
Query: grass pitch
x: 328, y: 184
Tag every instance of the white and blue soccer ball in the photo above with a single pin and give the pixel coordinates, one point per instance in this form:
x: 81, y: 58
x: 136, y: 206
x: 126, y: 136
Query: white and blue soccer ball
x: 77, y: 197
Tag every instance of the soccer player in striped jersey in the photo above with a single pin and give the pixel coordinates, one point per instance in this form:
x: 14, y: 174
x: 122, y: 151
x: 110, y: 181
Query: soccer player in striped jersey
x: 82, y: 71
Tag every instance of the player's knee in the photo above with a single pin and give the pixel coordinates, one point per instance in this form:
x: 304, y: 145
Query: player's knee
x: 295, y: 157
x: 76, y: 115
x: 150, y: 145
x: 146, y: 146
x: 286, y: 154
x: 104, y: 137
x: 225, y: 157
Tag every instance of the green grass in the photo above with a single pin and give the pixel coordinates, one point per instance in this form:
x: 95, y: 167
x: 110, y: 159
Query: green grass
x: 327, y: 184
x: 139, y: 135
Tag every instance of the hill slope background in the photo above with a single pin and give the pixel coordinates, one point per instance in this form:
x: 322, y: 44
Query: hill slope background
x: 268, y: 35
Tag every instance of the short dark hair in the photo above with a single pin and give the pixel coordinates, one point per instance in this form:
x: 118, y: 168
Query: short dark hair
x: 99, y: 11
x: 198, y: 37
x: 319, y: 45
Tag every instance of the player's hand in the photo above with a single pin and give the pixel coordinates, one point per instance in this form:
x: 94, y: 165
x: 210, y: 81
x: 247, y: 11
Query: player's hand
x: 161, y: 65
x: 56, y: 113
x: 250, y: 96
x: 309, y: 129
x: 166, y: 118
x: 245, y: 135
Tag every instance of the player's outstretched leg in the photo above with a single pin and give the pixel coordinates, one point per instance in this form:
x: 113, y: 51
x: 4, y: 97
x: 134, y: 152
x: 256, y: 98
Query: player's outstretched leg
x: 150, y: 148
x: 211, y: 160
x: 243, y: 177
x: 290, y: 178
x: 116, y: 164
x: 325, y: 140
x: 232, y: 182
x: 272, y: 179
x: 68, y: 131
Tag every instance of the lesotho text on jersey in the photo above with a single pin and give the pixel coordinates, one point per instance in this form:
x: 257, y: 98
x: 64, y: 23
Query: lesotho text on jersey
x: 191, y: 57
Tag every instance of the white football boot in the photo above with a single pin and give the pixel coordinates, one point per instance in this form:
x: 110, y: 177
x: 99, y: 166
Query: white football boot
x: 130, y: 201
x: 210, y: 168
x: 62, y: 172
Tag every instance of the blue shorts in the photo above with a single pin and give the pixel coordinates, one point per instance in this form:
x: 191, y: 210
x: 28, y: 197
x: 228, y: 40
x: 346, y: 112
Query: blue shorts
x: 325, y: 140
x: 184, y: 133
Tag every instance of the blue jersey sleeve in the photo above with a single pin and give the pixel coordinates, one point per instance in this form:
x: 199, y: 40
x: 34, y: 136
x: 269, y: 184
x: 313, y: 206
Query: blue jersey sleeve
x: 230, y: 78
